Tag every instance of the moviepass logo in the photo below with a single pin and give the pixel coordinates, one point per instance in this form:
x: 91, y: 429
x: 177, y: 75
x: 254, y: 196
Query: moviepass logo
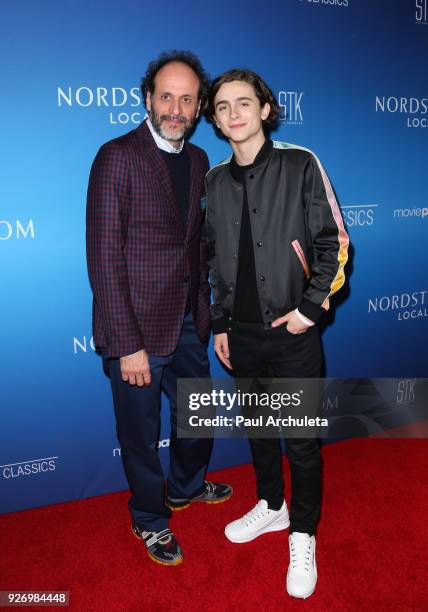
x: 117, y: 452
x: 410, y: 213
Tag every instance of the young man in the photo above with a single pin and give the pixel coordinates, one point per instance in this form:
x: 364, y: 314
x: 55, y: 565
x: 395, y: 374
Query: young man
x: 277, y: 250
x: 147, y: 266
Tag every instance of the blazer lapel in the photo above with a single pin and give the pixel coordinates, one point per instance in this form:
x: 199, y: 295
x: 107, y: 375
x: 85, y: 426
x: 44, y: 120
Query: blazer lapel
x: 154, y: 157
x: 194, y: 192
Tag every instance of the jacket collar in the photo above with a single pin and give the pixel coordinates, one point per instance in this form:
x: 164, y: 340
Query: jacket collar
x: 153, y: 156
x: 238, y: 172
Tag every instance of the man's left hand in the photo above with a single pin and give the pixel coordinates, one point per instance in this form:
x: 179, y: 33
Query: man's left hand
x: 292, y: 322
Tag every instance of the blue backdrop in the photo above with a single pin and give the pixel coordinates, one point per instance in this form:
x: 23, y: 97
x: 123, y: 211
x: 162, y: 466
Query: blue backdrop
x: 350, y: 76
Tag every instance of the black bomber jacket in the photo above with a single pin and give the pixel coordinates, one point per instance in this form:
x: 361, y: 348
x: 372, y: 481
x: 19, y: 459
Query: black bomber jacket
x: 300, y: 243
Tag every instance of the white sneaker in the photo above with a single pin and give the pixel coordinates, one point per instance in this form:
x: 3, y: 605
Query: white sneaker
x: 257, y: 521
x: 302, y: 571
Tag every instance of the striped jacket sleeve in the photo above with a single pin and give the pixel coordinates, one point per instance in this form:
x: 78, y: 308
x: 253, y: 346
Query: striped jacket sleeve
x: 329, y: 242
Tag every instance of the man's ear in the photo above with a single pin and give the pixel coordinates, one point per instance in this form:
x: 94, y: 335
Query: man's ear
x: 265, y: 111
x: 148, y: 101
x: 198, y: 110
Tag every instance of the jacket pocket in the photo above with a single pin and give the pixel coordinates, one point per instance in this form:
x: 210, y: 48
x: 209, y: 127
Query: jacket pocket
x: 300, y: 254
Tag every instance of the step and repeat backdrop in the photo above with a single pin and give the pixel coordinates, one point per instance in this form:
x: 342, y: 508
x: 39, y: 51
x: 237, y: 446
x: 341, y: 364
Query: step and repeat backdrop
x: 351, y: 79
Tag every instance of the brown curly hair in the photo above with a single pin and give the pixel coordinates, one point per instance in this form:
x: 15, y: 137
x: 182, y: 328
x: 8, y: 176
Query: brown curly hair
x: 184, y: 57
x: 261, y: 89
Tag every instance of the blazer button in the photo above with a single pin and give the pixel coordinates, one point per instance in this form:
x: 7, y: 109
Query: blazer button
x: 259, y: 244
x: 230, y: 288
x: 251, y: 176
x: 186, y: 279
x: 267, y: 311
x: 255, y: 211
x: 262, y: 278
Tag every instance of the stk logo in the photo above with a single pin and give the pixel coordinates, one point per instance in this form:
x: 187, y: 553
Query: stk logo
x: 421, y: 14
x: 290, y: 103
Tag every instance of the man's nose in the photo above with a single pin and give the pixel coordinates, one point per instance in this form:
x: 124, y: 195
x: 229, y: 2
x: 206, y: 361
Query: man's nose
x: 234, y: 112
x: 175, y: 106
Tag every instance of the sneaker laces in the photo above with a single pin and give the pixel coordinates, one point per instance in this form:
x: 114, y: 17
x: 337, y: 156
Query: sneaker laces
x: 300, y: 552
x: 157, y: 537
x: 259, y: 510
x: 209, y: 486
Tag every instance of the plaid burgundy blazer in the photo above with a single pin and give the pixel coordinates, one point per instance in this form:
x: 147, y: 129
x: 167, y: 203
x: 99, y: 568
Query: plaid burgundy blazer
x: 140, y: 257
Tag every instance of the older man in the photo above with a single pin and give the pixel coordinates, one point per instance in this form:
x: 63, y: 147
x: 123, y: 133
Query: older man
x: 147, y: 267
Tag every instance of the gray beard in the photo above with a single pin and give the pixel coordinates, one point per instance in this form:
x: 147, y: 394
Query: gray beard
x: 156, y: 121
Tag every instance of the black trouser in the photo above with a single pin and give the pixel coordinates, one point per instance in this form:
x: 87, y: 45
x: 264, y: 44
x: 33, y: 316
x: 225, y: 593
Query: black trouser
x: 276, y: 353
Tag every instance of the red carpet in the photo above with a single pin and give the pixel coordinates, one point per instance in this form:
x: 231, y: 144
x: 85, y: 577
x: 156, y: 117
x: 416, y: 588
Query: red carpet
x: 372, y: 544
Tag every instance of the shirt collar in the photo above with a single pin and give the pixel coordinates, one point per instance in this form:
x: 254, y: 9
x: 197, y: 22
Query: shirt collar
x: 161, y: 142
x: 238, y: 172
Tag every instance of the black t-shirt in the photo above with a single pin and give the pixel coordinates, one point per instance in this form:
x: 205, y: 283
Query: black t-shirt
x: 179, y: 169
x: 246, y: 305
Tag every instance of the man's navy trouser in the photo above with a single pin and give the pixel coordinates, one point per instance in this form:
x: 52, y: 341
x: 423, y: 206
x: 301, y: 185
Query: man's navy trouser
x: 138, y: 425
